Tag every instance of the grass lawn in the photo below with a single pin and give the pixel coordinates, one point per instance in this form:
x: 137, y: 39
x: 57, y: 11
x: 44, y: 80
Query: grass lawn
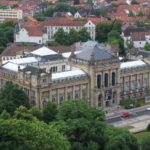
x: 141, y: 135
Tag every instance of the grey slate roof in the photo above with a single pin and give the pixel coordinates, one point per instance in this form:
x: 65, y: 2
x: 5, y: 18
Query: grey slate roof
x: 95, y: 53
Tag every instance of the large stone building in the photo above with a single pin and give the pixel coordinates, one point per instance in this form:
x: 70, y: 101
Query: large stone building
x: 92, y: 74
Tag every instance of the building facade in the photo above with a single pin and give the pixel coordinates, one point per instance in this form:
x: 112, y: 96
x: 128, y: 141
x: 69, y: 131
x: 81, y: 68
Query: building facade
x: 10, y: 14
x: 41, y: 32
x: 93, y: 74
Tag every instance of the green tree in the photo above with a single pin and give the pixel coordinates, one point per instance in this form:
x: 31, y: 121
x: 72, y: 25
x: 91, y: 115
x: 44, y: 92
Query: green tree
x: 114, y: 38
x: 119, y: 139
x: 147, y: 47
x: 102, y: 12
x: 23, y: 113
x: 6, y: 34
x: 61, y: 37
x: 49, y: 112
x: 73, y: 36
x: 117, y: 26
x: 102, y: 31
x: 30, y: 135
x: 61, y: 7
x: 11, y: 97
x: 84, y: 35
x: 82, y: 124
x: 36, y: 113
x: 5, y: 115
x: 140, y: 23
x: 145, y: 143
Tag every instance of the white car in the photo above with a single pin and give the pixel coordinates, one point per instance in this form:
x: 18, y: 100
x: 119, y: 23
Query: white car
x: 148, y: 108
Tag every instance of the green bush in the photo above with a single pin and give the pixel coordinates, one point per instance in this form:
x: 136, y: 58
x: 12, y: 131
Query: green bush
x: 148, y: 127
x: 128, y: 103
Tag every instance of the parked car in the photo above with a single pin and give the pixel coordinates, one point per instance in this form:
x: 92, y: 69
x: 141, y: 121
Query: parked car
x: 148, y: 108
x: 125, y: 115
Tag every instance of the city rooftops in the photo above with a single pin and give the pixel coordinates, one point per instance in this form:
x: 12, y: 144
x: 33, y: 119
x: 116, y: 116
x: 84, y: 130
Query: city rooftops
x: 43, y: 51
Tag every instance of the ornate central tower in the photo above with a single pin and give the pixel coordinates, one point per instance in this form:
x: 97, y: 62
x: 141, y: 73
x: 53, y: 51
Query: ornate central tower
x: 104, y: 72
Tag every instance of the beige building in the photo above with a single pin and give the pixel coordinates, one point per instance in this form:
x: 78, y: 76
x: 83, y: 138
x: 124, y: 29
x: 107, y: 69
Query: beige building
x: 10, y: 14
x: 92, y: 74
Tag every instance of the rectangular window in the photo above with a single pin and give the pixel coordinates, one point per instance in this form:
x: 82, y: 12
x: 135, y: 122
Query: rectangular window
x: 54, y: 69
x: 63, y: 67
x: 113, y: 78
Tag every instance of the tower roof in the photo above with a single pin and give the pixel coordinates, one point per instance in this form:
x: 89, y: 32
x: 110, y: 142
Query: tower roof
x: 96, y: 53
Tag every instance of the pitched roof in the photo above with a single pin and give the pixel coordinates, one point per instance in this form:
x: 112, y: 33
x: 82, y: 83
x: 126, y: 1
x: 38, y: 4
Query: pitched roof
x: 13, y: 49
x: 64, y: 21
x: 130, y: 30
x: 43, y: 51
x: 138, y: 36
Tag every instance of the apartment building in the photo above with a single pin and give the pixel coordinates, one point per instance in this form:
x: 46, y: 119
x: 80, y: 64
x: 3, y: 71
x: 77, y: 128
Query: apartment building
x: 10, y: 14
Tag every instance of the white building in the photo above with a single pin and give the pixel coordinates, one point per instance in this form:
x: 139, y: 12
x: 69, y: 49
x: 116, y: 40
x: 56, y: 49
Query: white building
x: 138, y: 36
x: 10, y: 14
x: 44, y: 31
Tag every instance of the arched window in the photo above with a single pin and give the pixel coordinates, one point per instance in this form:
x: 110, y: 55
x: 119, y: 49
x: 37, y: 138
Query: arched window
x: 113, y: 78
x: 98, y: 81
x: 106, y: 79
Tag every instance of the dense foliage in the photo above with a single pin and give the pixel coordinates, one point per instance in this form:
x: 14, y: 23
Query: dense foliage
x: 110, y: 33
x: 26, y: 135
x: 6, y: 34
x: 145, y: 143
x: 119, y: 139
x: 11, y: 97
x: 73, y: 36
x: 129, y: 103
x: 147, y: 47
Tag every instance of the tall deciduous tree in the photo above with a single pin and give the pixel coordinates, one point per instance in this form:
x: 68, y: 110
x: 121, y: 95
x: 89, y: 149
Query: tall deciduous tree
x: 102, y: 31
x: 61, y: 37
x: 84, y: 35
x: 11, y: 97
x: 82, y: 124
x: 18, y: 134
x: 119, y: 139
x: 145, y: 143
x: 117, y: 26
x: 49, y: 112
x: 73, y: 36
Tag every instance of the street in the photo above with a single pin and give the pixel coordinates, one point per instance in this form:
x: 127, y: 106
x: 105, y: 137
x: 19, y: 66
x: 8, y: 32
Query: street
x: 131, y: 116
